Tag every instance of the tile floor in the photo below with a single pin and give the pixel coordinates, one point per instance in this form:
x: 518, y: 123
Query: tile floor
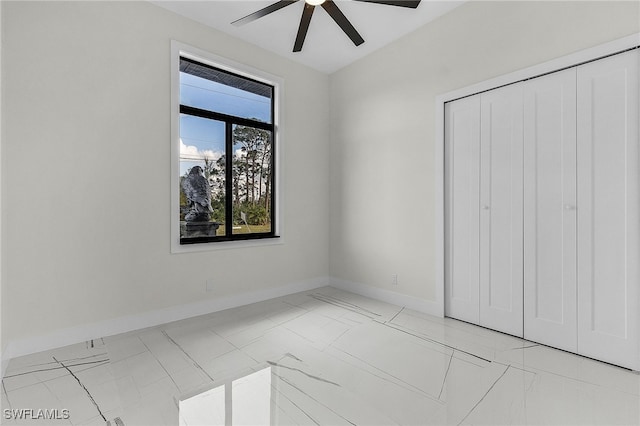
x: 324, y: 357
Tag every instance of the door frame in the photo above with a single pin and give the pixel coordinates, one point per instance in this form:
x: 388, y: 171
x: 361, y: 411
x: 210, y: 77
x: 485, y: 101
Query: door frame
x: 571, y: 60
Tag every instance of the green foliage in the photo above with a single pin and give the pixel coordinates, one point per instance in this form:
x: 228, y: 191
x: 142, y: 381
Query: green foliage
x: 256, y: 214
x: 218, y: 209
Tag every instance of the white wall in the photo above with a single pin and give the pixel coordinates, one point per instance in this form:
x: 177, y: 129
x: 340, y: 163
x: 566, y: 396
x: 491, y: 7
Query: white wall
x: 382, y: 116
x: 86, y: 169
x: 2, y: 301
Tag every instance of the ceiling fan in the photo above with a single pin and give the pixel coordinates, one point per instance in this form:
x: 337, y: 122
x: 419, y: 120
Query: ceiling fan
x: 331, y: 8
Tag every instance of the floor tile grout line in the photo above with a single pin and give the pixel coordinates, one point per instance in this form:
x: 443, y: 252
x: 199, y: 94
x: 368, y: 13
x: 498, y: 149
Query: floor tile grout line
x: 336, y: 339
x: 293, y: 305
x: 241, y: 349
x: 161, y: 364
x: 86, y: 357
x: 485, y: 395
x: 259, y: 337
x: 444, y: 381
x: 338, y: 300
x: 394, y: 317
x: 294, y: 404
x: 407, y: 386
x: 357, y: 310
x: 6, y: 395
x: 54, y: 394
x: 44, y: 382
x: 541, y: 371
x: 311, y: 376
x: 426, y: 339
x: 524, y: 347
x: 83, y: 387
x: 53, y: 363
x: 195, y: 363
x: 284, y: 379
x: 102, y: 361
x: 516, y: 367
x: 340, y: 320
x: 344, y: 304
x: 301, y: 336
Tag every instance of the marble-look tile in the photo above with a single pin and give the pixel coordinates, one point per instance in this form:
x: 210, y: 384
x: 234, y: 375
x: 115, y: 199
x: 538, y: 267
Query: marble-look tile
x: 319, y: 330
x: 240, y: 336
x: 74, y: 397
x: 199, y: 346
x: 399, y: 401
x: 50, y: 365
x: 143, y: 368
x: 229, y: 363
x: 558, y: 400
x: 376, y: 309
x: 93, y: 373
x: 29, y: 362
x: 332, y: 358
x: 503, y: 402
x: 274, y: 344
x: 35, y: 397
x: 169, y: 355
x: 456, y: 334
x: 128, y: 392
x: 4, y: 402
x: 284, y: 313
x: 323, y: 401
x: 397, y: 354
x: 13, y: 380
x: 120, y: 348
x: 337, y: 304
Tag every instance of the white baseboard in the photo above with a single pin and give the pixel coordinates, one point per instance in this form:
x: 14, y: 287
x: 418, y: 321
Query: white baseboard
x: 78, y: 334
x: 73, y: 335
x: 429, y: 307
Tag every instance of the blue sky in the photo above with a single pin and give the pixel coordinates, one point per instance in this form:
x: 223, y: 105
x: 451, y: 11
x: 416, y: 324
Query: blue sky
x: 199, y: 136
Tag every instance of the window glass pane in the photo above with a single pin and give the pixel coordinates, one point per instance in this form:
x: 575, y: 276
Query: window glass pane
x: 252, y: 180
x: 214, y: 90
x: 202, y: 177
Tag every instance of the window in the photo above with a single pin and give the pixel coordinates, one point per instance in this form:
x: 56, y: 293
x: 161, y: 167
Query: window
x: 226, y: 162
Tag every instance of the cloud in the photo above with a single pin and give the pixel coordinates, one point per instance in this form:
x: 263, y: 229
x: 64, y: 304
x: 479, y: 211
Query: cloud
x: 190, y: 152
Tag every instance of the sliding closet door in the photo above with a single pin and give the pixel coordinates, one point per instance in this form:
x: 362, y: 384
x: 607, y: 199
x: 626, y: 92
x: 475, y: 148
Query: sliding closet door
x: 501, y: 164
x: 550, y: 210
x: 462, y: 152
x: 608, y: 219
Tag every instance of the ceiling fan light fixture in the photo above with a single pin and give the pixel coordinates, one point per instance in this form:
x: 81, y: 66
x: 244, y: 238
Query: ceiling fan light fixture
x: 330, y: 7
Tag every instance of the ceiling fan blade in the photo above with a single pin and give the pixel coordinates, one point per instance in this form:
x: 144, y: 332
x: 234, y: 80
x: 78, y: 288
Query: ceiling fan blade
x: 337, y: 15
x: 263, y: 12
x: 402, y: 3
x: 304, y: 26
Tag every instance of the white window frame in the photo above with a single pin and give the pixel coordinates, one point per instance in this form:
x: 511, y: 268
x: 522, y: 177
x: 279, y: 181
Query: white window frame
x: 178, y: 50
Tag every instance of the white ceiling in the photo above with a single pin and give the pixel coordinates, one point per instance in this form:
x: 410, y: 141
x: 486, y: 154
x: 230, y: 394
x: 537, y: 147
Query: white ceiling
x: 326, y: 48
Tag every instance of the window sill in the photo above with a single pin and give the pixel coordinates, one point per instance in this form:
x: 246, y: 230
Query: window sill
x: 177, y: 248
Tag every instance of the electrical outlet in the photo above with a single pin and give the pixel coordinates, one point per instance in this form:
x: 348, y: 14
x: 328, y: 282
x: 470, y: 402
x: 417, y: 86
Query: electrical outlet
x: 209, y: 286
x: 394, y: 279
